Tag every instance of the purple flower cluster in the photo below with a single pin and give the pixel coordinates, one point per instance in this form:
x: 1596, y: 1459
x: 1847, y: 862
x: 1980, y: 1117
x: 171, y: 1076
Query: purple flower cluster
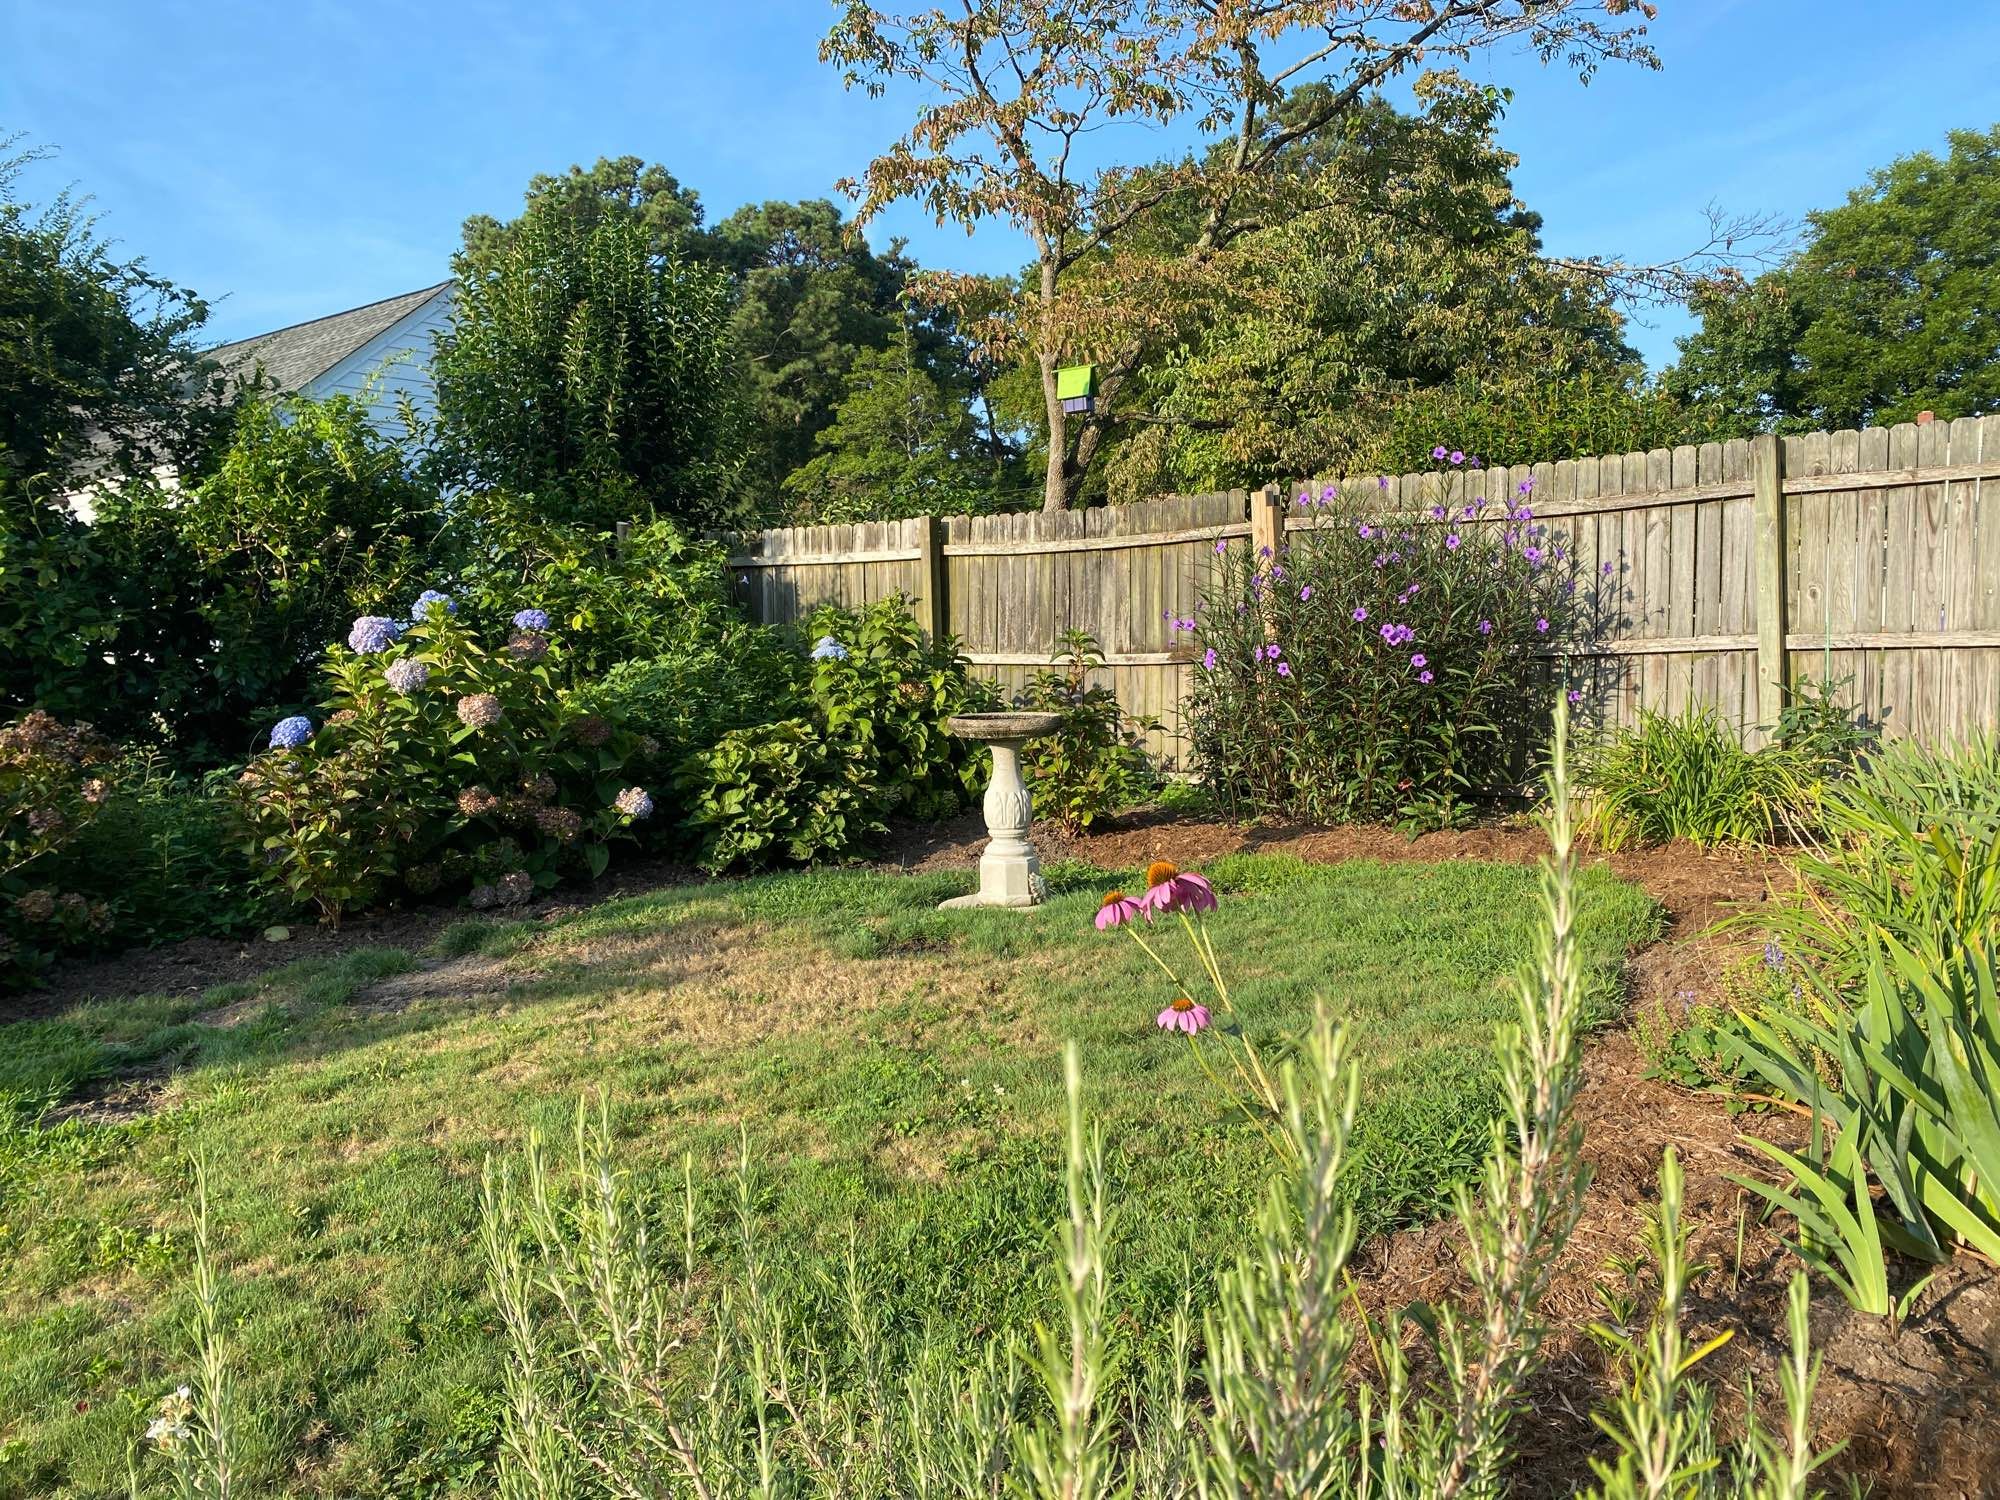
x: 1397, y: 635
x: 531, y: 619
x: 372, y: 633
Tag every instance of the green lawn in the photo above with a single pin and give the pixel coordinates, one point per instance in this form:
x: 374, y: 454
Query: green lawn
x: 896, y: 1070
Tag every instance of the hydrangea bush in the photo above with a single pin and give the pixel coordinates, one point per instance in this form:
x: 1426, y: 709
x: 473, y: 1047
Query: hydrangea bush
x: 439, y: 765
x: 867, y: 742
x: 1382, y: 665
x: 53, y: 781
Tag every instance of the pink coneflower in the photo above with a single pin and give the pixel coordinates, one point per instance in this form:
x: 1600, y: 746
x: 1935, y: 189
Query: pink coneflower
x: 1118, y: 909
x: 1184, y: 1015
x: 1169, y: 888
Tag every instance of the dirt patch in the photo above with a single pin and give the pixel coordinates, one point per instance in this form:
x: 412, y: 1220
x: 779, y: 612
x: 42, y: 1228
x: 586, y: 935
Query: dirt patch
x: 470, y: 977
x: 1916, y: 1405
x: 114, y: 1101
x: 721, y: 982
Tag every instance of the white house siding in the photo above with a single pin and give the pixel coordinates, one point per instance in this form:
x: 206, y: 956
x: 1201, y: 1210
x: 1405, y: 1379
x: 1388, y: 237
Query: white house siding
x: 395, y: 363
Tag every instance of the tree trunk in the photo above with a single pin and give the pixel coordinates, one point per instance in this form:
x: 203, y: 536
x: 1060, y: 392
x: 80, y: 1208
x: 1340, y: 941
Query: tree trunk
x: 1055, y: 483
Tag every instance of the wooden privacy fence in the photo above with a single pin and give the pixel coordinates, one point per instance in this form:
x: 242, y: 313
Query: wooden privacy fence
x: 1735, y: 568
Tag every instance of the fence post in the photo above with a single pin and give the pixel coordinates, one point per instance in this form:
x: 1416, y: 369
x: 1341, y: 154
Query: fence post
x: 933, y: 609
x: 1767, y: 519
x: 1267, y: 522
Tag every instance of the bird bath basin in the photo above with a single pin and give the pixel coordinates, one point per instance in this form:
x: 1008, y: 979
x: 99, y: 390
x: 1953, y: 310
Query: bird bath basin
x: 1009, y: 872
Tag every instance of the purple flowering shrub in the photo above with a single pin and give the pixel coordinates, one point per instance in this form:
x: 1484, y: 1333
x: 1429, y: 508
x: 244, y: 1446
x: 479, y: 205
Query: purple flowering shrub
x: 1382, y: 666
x: 53, y: 782
x: 439, y: 764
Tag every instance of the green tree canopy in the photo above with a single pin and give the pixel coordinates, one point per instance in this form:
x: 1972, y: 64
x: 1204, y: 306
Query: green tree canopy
x: 1891, y: 307
x: 98, y: 366
x: 586, y: 367
x: 900, y: 444
x: 626, y: 187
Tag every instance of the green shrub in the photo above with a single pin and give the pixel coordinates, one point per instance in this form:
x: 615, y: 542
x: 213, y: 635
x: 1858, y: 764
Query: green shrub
x: 1910, y: 847
x: 439, y: 764
x: 52, y: 787
x: 878, y: 684
x: 783, y: 790
x: 1688, y: 776
x: 167, y: 855
x: 688, y: 697
x: 614, y: 600
x: 871, y: 744
x: 1096, y: 762
x: 1383, y: 666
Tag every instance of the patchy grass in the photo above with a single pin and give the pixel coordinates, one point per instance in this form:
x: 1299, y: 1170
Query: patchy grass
x: 894, y: 1069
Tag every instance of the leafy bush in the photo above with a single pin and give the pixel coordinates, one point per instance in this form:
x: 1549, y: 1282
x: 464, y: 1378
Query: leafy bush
x: 781, y: 790
x: 167, y: 855
x: 1383, y: 665
x: 613, y: 600
x: 880, y: 685
x: 871, y: 745
x: 1910, y: 848
x: 439, y: 763
x: 1096, y: 761
x: 51, y: 789
x: 1689, y: 777
x: 1538, y: 420
x: 688, y: 697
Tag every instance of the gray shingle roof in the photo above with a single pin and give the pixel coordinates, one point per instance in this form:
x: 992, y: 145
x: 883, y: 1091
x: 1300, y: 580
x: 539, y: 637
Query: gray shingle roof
x: 293, y: 356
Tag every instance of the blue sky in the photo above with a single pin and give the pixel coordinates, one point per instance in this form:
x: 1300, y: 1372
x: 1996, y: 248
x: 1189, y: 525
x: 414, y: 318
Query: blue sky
x: 297, y: 158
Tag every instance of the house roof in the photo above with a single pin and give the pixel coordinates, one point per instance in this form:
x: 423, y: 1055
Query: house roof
x: 293, y: 356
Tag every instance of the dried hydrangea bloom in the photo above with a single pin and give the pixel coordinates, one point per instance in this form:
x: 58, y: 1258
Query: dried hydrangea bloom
x: 36, y: 906
x: 540, y: 787
x: 406, y: 676
x: 515, y: 888
x: 479, y: 710
x: 560, y: 823
x: 477, y: 802
x: 591, y: 729
x: 525, y: 645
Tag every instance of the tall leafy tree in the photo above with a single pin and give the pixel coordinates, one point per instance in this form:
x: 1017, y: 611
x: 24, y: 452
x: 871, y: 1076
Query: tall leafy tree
x: 98, y: 364
x: 589, y: 368
x: 1889, y: 308
x: 1410, y: 266
x: 1011, y: 89
x: 900, y: 444
x: 626, y: 187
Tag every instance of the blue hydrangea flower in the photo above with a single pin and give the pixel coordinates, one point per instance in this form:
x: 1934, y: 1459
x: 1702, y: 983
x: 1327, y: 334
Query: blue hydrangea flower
x: 373, y: 633
x: 634, y: 803
x: 829, y: 649
x: 429, y: 597
x: 289, y: 734
x: 532, y: 619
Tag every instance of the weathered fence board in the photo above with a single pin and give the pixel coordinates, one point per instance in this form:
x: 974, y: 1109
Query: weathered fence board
x: 1735, y: 568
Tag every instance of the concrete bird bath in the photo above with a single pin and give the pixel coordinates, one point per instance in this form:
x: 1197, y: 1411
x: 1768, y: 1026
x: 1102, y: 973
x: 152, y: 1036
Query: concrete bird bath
x: 1009, y: 873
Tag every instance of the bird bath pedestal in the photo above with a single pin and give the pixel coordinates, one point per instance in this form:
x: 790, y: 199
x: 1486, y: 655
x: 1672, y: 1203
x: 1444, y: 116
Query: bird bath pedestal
x: 1009, y: 873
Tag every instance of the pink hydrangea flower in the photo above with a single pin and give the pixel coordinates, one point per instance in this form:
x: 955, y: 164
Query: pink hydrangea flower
x: 1184, y: 1015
